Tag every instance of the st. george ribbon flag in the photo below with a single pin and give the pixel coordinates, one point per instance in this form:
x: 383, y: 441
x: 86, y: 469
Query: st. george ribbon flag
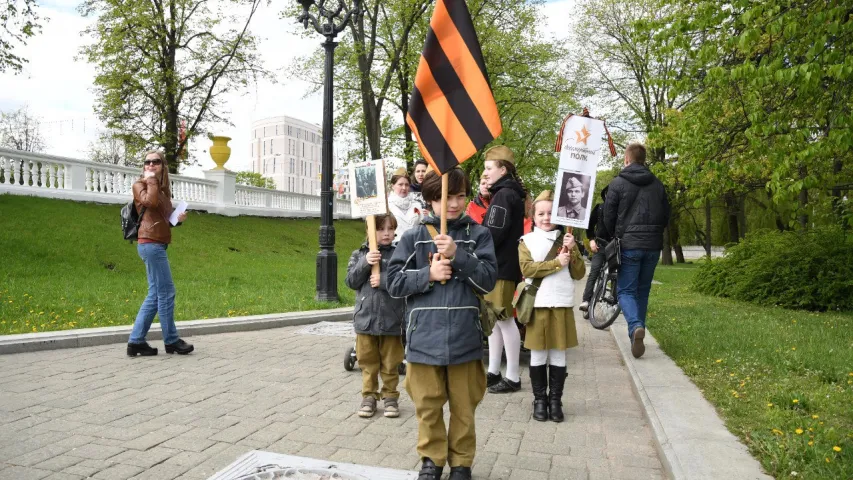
x: 452, y: 112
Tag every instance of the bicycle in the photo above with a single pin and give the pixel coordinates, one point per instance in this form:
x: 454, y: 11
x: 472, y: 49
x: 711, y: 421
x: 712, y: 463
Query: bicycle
x: 604, y: 306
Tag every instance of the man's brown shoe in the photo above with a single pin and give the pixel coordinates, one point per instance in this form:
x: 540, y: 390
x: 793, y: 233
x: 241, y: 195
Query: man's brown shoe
x: 637, y: 346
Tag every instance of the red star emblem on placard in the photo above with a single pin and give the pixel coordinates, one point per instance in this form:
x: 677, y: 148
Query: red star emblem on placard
x: 583, y: 135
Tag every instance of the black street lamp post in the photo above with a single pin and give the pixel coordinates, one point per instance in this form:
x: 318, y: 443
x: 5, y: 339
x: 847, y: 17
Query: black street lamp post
x: 324, y: 23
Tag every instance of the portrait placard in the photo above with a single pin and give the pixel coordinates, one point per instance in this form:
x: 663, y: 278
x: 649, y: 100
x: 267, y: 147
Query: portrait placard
x: 367, y: 188
x: 579, y: 156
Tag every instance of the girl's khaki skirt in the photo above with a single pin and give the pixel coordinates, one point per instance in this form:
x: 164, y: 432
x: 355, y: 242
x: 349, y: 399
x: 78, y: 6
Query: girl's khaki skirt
x: 502, y: 295
x: 551, y: 329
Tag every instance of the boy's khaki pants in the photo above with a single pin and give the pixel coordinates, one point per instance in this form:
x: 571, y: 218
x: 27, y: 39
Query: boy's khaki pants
x: 430, y: 387
x: 379, y: 355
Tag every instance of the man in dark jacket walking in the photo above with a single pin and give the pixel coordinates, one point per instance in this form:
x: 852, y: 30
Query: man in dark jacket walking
x: 637, y: 211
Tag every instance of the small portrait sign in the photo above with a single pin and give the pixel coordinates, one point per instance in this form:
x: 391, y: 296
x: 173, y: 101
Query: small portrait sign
x: 367, y: 182
x: 579, y: 156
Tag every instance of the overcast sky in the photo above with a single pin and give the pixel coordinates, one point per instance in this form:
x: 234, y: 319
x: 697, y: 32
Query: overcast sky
x: 58, y: 88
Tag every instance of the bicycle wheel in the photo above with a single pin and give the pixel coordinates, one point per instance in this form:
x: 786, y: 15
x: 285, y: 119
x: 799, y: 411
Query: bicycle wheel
x: 604, y: 306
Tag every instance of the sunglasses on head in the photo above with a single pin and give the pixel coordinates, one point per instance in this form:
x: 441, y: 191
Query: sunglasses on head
x: 152, y: 162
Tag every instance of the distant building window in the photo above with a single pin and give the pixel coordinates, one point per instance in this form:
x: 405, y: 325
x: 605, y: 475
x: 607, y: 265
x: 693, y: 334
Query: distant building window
x: 265, y: 147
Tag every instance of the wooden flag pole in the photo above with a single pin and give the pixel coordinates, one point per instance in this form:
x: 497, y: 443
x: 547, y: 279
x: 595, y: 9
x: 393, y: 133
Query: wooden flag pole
x: 444, y: 187
x: 371, y: 240
x: 443, y: 231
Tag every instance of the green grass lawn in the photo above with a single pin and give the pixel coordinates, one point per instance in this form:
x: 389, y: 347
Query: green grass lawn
x: 782, y: 380
x: 64, y: 265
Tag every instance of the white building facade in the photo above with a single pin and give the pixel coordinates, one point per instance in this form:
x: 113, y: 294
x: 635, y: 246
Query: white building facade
x: 288, y: 150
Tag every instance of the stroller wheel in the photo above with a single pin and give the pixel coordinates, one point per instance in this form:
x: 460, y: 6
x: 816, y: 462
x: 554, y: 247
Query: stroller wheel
x: 401, y: 369
x: 349, y: 359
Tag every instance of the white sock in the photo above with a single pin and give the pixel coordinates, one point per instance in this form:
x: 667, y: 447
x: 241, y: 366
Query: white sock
x: 496, y: 348
x: 512, y: 345
x: 556, y: 358
x: 538, y: 357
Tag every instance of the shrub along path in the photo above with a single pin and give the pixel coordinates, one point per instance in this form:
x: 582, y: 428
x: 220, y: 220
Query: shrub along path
x: 781, y: 379
x: 66, y: 266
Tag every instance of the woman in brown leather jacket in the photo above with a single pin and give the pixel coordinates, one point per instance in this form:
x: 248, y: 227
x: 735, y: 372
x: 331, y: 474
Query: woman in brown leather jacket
x: 153, y: 199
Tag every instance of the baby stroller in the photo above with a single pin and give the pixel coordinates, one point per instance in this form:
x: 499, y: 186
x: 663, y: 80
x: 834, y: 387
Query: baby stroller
x: 350, y: 358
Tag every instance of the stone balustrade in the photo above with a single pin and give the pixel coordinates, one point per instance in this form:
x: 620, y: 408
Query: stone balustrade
x: 35, y: 174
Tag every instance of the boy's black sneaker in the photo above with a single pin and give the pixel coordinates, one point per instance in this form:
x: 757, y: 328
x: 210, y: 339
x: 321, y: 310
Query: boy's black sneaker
x: 460, y: 473
x: 506, y: 386
x: 429, y: 470
x: 134, y: 349
x: 492, y: 379
x: 180, y: 347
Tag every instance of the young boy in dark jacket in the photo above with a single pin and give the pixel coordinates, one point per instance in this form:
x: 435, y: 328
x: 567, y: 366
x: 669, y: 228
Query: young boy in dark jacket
x: 378, y: 322
x: 444, y: 339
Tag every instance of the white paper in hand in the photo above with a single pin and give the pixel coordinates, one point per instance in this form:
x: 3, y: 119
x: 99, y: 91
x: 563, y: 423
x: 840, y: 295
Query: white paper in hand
x: 181, y: 208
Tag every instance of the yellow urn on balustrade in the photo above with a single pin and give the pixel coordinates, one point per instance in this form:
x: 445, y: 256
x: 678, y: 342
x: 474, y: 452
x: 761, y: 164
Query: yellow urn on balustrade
x: 220, y: 152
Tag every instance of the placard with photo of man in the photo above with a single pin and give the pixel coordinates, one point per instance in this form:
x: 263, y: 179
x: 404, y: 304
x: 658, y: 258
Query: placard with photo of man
x: 571, y: 199
x: 580, y: 142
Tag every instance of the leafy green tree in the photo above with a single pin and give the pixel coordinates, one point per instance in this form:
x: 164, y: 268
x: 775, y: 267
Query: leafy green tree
x: 163, y: 62
x: 632, y: 76
x: 254, y: 179
x: 377, y: 60
x: 774, y: 108
x: 18, y: 22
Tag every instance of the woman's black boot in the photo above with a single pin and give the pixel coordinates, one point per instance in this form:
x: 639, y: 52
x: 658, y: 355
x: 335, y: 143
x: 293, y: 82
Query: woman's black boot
x: 556, y: 381
x: 180, y: 347
x: 539, y: 383
x: 134, y: 349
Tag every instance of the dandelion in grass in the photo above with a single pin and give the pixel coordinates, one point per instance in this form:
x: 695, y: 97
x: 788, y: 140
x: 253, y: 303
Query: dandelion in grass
x: 811, y: 443
x: 795, y: 401
x: 719, y: 360
x: 836, y: 448
x: 827, y: 459
x: 769, y: 404
x: 793, y: 348
x: 799, y: 431
x: 815, y: 417
x: 776, y: 431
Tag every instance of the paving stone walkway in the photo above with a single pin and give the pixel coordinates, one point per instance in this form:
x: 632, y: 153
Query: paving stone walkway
x: 95, y: 413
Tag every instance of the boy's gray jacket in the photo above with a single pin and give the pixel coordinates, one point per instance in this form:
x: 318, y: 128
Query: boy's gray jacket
x: 443, y: 321
x: 376, y: 313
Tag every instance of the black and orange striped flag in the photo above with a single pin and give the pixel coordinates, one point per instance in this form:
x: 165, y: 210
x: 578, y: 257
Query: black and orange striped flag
x: 452, y: 111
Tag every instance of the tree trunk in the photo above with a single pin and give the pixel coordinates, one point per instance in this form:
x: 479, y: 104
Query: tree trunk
x: 731, y: 215
x: 741, y: 216
x: 403, y: 77
x: 708, y: 227
x: 171, y: 76
x: 804, y: 201
x: 666, y: 253
x: 675, y: 236
x: 838, y: 196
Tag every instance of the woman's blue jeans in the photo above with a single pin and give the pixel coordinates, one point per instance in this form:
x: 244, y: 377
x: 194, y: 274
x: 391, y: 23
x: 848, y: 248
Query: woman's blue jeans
x: 633, y: 285
x: 161, y: 295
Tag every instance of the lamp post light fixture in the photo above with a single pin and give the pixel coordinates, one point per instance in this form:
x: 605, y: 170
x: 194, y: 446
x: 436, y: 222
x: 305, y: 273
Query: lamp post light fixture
x: 328, y: 12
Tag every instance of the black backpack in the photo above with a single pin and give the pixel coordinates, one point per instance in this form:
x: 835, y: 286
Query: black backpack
x: 130, y: 220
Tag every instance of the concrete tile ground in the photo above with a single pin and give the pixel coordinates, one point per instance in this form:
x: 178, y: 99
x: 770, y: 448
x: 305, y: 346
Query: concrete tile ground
x: 95, y: 413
